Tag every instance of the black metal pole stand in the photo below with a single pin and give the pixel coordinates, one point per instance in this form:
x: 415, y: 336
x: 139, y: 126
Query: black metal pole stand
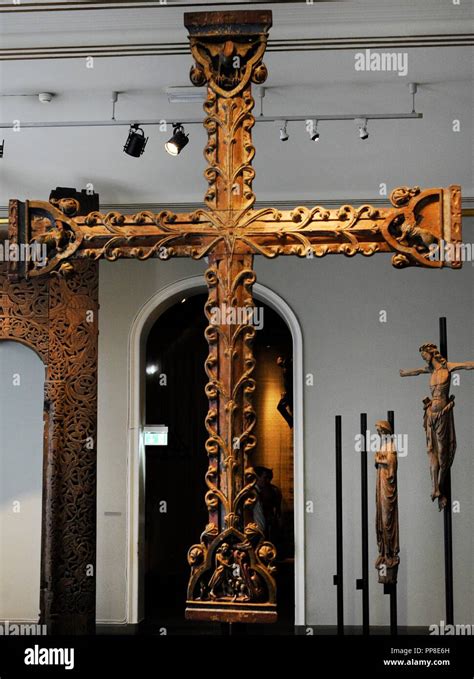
x: 391, y: 590
x: 448, y: 517
x: 339, y: 577
x: 363, y: 583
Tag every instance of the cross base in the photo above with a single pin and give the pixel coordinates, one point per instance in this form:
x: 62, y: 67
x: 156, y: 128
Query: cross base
x: 234, y: 612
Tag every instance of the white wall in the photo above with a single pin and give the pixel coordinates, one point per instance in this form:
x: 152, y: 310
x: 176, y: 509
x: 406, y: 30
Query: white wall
x: 123, y: 290
x: 355, y: 361
x: 21, y: 456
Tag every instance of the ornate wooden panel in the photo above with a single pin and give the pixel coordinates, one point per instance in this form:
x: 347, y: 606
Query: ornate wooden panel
x: 57, y: 317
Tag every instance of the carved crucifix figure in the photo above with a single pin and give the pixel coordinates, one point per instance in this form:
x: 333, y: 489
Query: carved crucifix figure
x: 232, y: 565
x: 438, y: 419
x: 386, y: 504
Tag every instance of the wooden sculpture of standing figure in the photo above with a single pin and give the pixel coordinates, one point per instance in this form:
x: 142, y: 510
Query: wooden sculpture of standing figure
x: 438, y: 419
x: 386, y: 500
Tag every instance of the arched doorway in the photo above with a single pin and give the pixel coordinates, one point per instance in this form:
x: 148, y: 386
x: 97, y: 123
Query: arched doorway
x: 175, y: 513
x: 142, y: 326
x: 21, y: 463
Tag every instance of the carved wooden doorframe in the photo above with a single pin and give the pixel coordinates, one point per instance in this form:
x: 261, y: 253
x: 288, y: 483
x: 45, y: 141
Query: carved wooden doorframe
x: 147, y: 315
x: 57, y: 318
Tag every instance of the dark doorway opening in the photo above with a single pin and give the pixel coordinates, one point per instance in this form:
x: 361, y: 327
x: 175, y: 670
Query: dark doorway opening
x: 175, y: 512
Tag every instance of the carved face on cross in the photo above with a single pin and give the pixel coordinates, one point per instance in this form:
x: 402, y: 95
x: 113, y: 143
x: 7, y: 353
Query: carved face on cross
x: 228, y: 49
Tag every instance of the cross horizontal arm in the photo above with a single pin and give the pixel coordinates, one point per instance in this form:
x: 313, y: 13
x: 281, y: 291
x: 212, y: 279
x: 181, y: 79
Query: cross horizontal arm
x: 64, y: 236
x: 419, y: 228
x: 413, y: 228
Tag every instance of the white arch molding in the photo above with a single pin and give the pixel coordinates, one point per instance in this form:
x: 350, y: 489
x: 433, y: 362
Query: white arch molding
x: 142, y: 324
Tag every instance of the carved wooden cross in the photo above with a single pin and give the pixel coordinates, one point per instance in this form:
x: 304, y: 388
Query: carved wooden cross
x: 232, y: 571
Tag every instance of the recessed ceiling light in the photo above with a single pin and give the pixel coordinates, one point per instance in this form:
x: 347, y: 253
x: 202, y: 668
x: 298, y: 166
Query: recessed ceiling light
x: 185, y: 95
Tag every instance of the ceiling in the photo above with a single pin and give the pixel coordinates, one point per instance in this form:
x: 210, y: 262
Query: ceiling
x: 311, y: 71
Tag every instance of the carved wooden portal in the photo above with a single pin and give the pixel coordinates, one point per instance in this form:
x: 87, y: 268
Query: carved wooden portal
x: 232, y: 576
x: 57, y: 318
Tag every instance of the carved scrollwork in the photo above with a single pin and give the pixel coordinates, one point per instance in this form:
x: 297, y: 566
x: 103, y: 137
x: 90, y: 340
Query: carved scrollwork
x: 54, y: 230
x: 24, y: 312
x: 403, y: 194
x: 70, y: 206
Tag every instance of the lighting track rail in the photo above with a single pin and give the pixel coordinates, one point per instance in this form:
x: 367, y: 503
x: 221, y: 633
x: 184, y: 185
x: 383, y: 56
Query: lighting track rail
x: 198, y: 121
x: 69, y: 6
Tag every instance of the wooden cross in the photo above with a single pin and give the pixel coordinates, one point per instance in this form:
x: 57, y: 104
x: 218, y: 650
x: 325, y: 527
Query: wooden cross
x: 232, y: 565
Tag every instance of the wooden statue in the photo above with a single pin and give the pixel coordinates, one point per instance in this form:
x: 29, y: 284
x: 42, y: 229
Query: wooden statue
x: 438, y: 419
x: 386, y: 500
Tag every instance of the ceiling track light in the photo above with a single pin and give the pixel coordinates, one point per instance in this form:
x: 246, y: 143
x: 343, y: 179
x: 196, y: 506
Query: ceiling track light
x: 114, y: 99
x: 259, y: 93
x: 178, y: 141
x: 136, y: 141
x: 413, y: 89
x: 362, y: 125
x: 312, y: 128
x: 284, y: 136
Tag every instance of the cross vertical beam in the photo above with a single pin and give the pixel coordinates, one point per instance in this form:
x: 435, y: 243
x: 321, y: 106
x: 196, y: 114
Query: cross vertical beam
x: 231, y: 568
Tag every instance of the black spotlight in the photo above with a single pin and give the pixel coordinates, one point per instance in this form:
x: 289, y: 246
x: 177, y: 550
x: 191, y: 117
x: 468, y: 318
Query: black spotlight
x: 2, y: 147
x: 178, y: 141
x: 136, y: 141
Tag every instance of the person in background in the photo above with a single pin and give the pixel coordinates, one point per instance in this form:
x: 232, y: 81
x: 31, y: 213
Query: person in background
x: 267, y: 509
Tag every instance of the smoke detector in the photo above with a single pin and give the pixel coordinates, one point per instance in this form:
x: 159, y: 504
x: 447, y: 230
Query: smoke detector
x: 45, y: 97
